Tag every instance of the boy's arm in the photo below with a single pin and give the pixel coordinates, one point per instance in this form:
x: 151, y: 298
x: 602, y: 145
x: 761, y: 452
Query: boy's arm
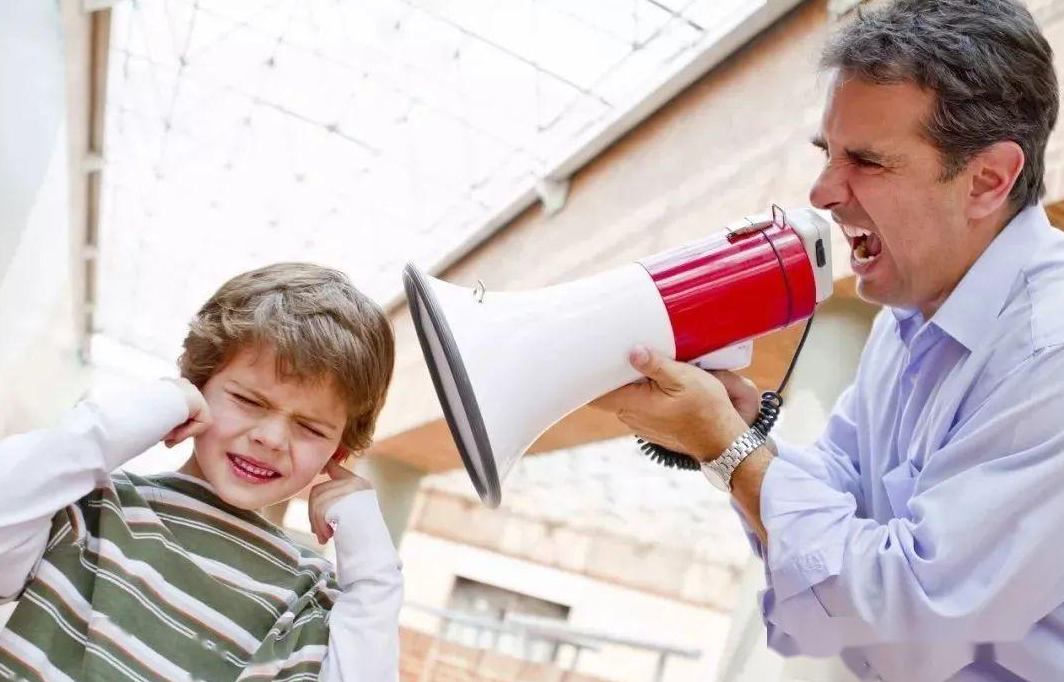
x: 364, y: 625
x: 41, y: 472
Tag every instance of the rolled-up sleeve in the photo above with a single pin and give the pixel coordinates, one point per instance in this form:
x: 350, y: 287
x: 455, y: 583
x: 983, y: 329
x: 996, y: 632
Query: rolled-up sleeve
x: 976, y: 559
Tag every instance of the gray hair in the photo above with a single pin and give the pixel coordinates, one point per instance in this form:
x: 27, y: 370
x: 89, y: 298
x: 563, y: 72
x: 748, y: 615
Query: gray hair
x: 988, y: 64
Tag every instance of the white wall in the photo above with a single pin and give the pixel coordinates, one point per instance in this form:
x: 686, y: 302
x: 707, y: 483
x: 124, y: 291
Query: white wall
x: 430, y: 565
x: 39, y: 370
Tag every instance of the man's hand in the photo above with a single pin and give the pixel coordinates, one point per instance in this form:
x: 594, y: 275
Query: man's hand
x: 683, y: 407
x: 324, y: 495
x: 199, y: 414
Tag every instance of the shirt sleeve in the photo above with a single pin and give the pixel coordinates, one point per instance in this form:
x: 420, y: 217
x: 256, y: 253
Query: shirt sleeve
x: 976, y: 559
x: 41, y: 472
x: 364, y: 624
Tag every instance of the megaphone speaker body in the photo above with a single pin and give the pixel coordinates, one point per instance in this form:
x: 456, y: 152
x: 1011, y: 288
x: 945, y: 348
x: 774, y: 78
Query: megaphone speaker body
x: 508, y: 365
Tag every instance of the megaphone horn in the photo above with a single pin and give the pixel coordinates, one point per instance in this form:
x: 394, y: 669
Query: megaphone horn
x: 507, y: 366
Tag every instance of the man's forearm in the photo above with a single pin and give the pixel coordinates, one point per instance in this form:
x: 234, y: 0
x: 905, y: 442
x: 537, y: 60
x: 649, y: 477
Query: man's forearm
x: 746, y: 487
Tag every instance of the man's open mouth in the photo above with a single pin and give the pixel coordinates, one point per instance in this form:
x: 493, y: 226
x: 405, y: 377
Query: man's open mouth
x: 865, y: 245
x: 251, y: 470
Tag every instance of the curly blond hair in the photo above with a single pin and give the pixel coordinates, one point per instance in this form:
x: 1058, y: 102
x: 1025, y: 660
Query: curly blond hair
x: 320, y: 327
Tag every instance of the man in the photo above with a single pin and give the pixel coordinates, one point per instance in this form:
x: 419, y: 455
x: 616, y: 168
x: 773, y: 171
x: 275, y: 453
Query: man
x: 920, y: 536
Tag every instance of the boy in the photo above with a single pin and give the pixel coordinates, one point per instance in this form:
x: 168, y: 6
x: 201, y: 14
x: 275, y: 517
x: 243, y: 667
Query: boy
x: 175, y: 576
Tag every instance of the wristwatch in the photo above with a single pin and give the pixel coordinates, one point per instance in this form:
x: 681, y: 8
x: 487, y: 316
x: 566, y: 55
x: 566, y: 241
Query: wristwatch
x: 719, y: 471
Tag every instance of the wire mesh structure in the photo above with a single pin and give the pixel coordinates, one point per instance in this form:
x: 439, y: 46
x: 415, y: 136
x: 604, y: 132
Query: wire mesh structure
x: 360, y: 134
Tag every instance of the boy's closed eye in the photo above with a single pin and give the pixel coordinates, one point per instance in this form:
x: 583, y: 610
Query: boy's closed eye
x: 245, y: 400
x: 254, y: 403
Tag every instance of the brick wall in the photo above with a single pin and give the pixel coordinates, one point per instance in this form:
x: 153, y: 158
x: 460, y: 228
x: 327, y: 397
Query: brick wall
x: 425, y: 658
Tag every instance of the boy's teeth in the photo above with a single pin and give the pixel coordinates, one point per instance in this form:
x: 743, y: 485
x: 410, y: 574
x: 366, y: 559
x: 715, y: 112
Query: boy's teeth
x: 251, y: 468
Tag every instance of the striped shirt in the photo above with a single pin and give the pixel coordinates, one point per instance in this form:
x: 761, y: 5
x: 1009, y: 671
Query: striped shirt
x: 156, y: 578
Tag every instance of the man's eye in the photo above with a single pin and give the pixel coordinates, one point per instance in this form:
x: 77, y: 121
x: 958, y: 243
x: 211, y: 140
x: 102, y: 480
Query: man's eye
x: 317, y: 433
x: 245, y: 400
x: 865, y: 163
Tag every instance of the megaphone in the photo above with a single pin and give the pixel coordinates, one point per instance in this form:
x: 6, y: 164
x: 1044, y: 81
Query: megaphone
x: 507, y: 366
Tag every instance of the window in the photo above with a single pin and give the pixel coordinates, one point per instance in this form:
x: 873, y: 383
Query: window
x: 495, y: 603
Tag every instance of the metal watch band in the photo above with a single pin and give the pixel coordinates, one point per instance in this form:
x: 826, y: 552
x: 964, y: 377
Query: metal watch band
x: 724, y: 466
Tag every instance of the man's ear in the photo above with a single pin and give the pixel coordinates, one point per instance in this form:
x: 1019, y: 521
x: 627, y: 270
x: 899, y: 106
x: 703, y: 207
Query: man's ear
x: 995, y: 172
x: 340, y: 455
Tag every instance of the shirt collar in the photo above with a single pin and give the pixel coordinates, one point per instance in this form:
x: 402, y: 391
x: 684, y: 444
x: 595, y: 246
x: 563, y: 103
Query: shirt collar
x: 982, y: 292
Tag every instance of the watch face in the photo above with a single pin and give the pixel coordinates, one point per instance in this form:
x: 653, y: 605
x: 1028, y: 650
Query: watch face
x: 714, y: 477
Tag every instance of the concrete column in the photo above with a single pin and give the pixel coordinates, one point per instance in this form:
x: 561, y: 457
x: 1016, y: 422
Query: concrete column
x: 397, y: 485
x: 827, y: 366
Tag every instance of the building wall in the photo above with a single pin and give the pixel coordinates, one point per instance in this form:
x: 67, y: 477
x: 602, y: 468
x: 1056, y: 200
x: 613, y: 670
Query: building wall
x: 594, y: 605
x: 424, y: 658
x: 704, y: 577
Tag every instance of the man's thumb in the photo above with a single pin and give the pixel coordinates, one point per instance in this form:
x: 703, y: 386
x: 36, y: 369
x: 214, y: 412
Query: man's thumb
x: 654, y: 366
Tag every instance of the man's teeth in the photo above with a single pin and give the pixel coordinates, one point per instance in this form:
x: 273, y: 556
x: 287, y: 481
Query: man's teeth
x: 855, y: 232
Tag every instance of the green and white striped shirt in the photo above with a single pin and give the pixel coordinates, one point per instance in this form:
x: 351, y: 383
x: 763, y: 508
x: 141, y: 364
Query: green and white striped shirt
x: 150, y: 579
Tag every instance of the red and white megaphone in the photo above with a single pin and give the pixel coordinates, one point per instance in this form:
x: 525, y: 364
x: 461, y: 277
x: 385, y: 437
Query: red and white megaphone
x: 509, y: 365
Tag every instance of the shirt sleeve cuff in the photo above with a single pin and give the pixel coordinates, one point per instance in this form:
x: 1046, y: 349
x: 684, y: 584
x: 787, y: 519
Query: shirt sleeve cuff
x: 132, y: 420
x: 364, y: 547
x: 806, y: 524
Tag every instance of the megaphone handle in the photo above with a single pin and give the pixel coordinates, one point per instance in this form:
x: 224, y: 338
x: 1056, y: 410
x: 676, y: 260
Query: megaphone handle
x: 771, y: 403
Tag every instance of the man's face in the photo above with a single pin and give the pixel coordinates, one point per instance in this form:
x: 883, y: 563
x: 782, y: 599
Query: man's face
x: 883, y: 183
x: 270, y: 436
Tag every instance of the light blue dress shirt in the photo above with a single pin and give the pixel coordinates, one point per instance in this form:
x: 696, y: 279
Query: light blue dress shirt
x: 922, y: 537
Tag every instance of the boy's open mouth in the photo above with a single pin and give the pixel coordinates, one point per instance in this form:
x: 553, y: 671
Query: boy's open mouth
x: 250, y: 470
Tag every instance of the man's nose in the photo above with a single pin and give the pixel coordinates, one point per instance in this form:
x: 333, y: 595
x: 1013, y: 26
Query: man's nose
x: 831, y: 189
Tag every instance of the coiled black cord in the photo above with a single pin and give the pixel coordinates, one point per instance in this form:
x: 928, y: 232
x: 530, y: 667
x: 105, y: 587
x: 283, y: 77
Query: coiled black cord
x: 771, y: 404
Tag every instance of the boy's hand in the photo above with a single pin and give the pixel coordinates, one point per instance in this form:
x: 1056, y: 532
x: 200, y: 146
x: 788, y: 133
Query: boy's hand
x: 199, y: 415
x: 323, y: 495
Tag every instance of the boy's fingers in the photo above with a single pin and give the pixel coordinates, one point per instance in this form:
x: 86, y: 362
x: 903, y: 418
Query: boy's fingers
x: 183, y: 432
x: 337, y: 472
x: 196, y: 428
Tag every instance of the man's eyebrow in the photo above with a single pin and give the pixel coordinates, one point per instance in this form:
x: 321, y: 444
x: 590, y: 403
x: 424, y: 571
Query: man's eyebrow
x: 304, y: 417
x: 864, y: 154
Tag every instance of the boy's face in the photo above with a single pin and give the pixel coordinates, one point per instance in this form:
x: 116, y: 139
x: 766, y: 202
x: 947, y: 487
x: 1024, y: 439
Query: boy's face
x: 270, y: 436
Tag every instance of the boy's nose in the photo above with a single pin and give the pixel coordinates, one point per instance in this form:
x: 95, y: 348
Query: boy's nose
x: 270, y: 433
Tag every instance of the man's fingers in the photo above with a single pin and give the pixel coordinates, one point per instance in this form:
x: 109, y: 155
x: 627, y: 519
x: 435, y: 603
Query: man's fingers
x: 733, y: 383
x: 615, y: 401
